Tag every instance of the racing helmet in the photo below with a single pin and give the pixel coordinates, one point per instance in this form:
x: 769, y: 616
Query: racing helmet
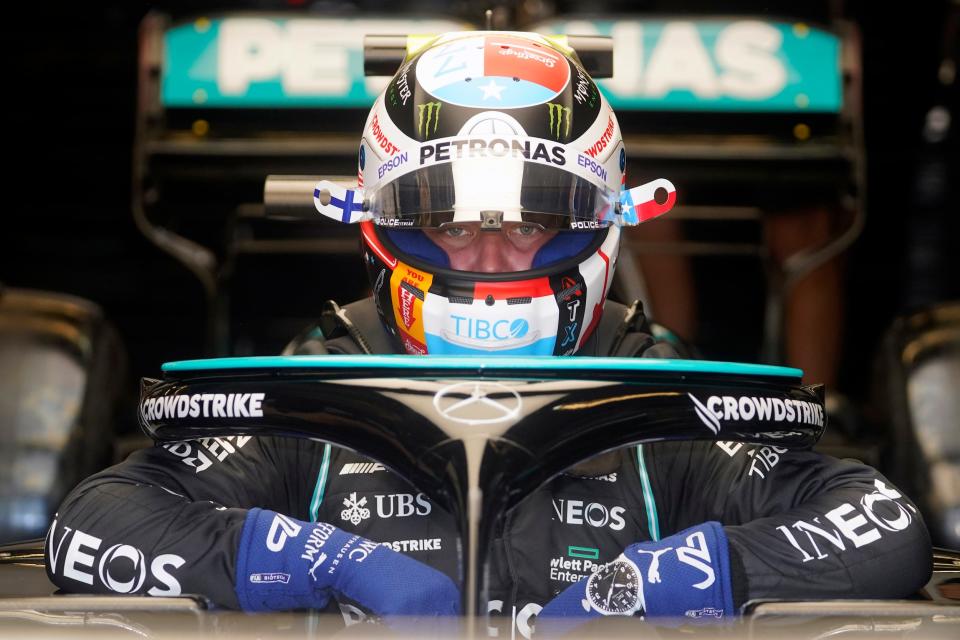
x: 487, y: 142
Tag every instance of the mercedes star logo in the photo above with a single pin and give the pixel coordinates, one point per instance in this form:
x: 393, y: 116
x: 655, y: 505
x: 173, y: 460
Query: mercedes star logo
x: 478, y: 403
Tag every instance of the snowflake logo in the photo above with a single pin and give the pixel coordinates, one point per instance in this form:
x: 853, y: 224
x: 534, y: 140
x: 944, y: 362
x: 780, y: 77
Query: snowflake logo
x: 355, y: 512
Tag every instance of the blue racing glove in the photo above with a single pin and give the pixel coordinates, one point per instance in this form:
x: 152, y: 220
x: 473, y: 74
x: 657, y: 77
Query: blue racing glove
x: 284, y: 564
x: 683, y: 578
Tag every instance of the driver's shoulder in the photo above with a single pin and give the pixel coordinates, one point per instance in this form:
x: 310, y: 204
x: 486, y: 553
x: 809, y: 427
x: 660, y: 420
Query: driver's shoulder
x: 350, y: 329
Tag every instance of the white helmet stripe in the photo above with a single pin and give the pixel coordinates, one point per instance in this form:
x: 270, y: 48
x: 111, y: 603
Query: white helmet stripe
x: 414, y: 156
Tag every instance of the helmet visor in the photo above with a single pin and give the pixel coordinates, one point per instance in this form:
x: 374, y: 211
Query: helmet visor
x: 508, y: 190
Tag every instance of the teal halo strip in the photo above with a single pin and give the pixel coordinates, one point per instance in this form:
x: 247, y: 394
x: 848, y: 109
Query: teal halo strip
x: 412, y: 364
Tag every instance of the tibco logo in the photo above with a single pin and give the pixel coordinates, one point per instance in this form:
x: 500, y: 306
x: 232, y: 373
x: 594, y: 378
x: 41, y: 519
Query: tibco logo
x: 482, y: 329
x: 121, y: 568
x: 483, y: 333
x: 748, y: 408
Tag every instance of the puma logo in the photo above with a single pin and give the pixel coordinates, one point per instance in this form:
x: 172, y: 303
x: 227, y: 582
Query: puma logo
x: 316, y: 564
x: 653, y: 572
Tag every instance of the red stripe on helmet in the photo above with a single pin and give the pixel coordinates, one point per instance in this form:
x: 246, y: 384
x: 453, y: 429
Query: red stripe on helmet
x: 370, y: 237
x: 534, y: 288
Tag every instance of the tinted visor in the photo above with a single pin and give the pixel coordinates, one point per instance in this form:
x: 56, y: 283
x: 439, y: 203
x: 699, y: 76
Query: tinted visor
x: 547, y: 196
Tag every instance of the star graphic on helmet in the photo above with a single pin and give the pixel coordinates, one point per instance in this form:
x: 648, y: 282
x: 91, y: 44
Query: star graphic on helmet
x: 492, y: 90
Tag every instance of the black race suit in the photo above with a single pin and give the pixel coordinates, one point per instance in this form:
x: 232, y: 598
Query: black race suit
x: 800, y: 524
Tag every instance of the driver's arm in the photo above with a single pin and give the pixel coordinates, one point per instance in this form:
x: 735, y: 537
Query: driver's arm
x: 168, y: 520
x: 228, y: 522
x: 739, y: 522
x: 799, y: 524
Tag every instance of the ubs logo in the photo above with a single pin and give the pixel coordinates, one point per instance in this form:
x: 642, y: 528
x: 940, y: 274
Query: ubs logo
x: 402, y: 505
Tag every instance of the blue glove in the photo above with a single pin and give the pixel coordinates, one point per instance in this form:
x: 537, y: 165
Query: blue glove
x: 284, y: 564
x: 684, y: 578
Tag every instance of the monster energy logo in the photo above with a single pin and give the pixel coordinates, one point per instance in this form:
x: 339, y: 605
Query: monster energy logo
x: 557, y: 113
x: 432, y: 111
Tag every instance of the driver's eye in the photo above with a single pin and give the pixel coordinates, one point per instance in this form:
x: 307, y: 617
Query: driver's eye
x: 455, y: 232
x: 526, y: 229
